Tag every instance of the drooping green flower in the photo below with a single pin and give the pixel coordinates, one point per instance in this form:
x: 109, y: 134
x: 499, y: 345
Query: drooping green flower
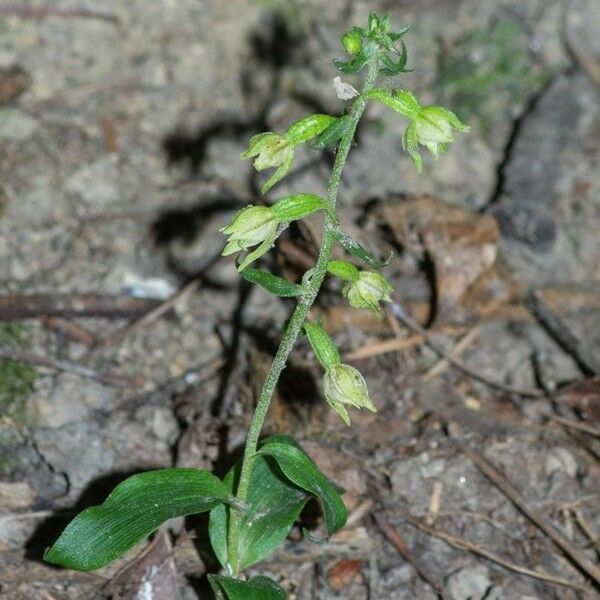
x: 368, y: 290
x: 431, y: 127
x: 251, y: 226
x: 344, y: 385
x: 271, y: 150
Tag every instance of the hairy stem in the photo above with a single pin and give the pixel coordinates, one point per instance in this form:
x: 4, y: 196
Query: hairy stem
x: 288, y: 339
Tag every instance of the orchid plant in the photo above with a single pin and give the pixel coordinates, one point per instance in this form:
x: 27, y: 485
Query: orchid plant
x: 254, y: 507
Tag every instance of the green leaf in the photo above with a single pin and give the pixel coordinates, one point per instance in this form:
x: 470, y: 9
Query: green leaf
x: 134, y: 509
x: 272, y: 283
x: 257, y: 588
x: 301, y: 470
x: 353, y: 66
x: 274, y: 504
x: 391, y: 67
x: 351, y: 246
x: 333, y: 133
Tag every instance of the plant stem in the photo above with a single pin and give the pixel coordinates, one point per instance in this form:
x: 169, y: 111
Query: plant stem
x: 297, y: 319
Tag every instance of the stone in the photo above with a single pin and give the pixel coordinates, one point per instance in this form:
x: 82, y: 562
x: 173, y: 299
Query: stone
x: 470, y: 583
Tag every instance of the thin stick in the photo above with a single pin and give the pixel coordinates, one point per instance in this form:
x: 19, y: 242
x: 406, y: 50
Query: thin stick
x: 587, y: 528
x: 460, y: 346
x: 463, y: 544
x: 145, y: 320
x: 401, y: 546
x: 413, y: 326
x: 74, y: 331
x: 576, y: 555
x: 576, y: 425
x: 62, y: 365
x: 384, y: 346
x: 562, y: 335
x: 37, y: 12
x: 32, y: 306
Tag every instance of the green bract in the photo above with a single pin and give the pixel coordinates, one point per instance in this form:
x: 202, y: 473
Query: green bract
x: 344, y: 385
x: 368, y: 290
x: 322, y: 345
x: 253, y: 509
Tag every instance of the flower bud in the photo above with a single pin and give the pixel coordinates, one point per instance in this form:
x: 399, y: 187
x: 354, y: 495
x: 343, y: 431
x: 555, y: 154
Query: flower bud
x: 250, y: 226
x: 368, y: 290
x: 342, y: 385
x: 352, y: 42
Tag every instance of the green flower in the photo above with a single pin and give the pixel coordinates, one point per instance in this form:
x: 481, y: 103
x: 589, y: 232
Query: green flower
x: 342, y: 385
x: 368, y: 290
x: 271, y: 150
x: 251, y: 226
x: 431, y: 127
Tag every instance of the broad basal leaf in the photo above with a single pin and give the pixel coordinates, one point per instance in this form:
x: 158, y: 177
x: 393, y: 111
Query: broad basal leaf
x: 301, y: 470
x: 274, y: 504
x: 257, y: 588
x: 134, y: 509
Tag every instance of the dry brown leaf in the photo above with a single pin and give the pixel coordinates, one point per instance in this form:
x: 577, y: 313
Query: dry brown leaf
x: 462, y: 245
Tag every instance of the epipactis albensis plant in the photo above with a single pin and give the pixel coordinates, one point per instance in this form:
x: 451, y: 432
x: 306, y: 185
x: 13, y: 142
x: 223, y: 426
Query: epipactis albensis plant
x: 255, y: 505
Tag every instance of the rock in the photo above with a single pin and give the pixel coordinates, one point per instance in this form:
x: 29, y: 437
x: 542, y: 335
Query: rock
x: 562, y: 180
x: 470, y: 583
x: 16, y: 126
x: 18, y: 495
x: 560, y: 459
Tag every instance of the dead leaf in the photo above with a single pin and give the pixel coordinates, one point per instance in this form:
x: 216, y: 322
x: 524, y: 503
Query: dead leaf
x: 344, y: 572
x: 462, y: 245
x: 13, y: 82
x: 151, y: 575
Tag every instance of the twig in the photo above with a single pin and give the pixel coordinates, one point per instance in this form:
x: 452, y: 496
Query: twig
x: 384, y: 346
x: 62, y: 365
x: 463, y: 544
x: 460, y: 346
x: 401, y: 546
x: 411, y: 324
x: 561, y: 334
x: 359, y: 512
x: 586, y: 528
x: 145, y: 320
x: 576, y: 555
x: 38, y: 12
x: 576, y: 425
x: 75, y: 305
x: 74, y: 331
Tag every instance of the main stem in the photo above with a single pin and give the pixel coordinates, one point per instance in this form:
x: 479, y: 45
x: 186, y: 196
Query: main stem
x: 297, y: 319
